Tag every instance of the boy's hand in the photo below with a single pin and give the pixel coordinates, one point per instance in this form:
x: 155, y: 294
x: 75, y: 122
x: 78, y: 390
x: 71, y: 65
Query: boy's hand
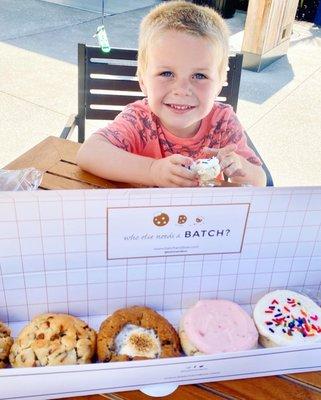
x: 230, y: 162
x: 171, y: 171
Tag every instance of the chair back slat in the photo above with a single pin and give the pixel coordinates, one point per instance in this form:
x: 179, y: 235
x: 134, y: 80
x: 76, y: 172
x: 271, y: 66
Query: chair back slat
x: 108, y: 115
x: 111, y: 69
x: 115, y: 53
x: 126, y: 85
x: 111, y: 99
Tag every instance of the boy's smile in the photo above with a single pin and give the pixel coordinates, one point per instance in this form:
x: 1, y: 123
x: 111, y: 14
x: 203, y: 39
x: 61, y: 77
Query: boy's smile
x: 179, y: 108
x: 181, y: 80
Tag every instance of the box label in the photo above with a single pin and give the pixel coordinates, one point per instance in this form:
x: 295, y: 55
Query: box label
x: 175, y: 230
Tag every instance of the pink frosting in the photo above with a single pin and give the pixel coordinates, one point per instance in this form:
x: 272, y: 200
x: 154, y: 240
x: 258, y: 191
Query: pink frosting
x: 216, y: 326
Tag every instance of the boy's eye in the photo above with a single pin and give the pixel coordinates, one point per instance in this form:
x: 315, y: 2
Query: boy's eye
x: 166, y: 74
x: 198, y: 75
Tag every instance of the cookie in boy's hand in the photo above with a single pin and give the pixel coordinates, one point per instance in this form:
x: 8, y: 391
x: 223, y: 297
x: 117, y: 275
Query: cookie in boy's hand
x: 207, y: 170
x: 5, y: 344
x: 136, y: 333
x: 53, y: 339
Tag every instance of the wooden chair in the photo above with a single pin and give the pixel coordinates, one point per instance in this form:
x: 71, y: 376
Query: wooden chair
x: 107, y: 82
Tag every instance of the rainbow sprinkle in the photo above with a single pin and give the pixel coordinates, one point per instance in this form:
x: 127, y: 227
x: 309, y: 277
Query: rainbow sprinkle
x: 283, y: 317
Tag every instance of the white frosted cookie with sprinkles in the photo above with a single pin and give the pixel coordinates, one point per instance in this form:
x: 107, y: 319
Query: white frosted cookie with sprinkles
x: 216, y: 326
x: 287, y: 318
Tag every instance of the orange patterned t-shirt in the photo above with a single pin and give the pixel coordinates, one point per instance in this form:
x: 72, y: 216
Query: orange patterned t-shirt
x: 137, y: 130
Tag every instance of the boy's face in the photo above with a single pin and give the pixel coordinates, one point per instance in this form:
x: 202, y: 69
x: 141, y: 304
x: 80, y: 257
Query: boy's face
x: 181, y: 80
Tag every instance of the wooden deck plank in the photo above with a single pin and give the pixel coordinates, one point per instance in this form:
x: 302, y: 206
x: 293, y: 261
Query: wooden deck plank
x: 263, y: 388
x: 186, y: 392
x: 307, y: 378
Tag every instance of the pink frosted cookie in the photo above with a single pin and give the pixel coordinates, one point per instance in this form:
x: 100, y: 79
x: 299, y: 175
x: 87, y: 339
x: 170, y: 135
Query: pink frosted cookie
x: 216, y: 326
x: 286, y: 318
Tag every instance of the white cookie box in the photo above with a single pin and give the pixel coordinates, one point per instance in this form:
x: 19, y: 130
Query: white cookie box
x: 53, y: 257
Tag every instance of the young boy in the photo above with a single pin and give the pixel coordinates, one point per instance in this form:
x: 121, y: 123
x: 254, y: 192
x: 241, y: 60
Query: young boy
x: 182, y: 62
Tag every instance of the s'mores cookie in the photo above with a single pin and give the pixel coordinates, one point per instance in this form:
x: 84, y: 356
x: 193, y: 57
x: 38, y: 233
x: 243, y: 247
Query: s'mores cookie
x: 216, y: 326
x: 136, y: 333
x: 287, y: 318
x: 53, y: 339
x: 207, y: 170
x: 5, y: 344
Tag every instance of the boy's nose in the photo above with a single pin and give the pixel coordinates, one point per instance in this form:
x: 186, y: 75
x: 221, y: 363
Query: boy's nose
x: 182, y: 88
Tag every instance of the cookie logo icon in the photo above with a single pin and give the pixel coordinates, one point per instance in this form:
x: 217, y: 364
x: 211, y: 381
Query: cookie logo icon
x: 182, y: 219
x: 161, y: 219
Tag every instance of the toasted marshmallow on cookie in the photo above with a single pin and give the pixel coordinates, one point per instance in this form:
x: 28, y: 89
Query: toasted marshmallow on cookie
x: 136, y: 333
x: 287, y: 318
x: 135, y: 341
x: 207, y: 169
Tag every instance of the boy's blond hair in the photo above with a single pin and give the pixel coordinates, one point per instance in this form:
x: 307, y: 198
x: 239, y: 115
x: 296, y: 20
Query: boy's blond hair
x: 183, y: 16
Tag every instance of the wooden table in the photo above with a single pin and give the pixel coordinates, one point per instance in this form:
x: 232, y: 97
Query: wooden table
x: 57, y: 158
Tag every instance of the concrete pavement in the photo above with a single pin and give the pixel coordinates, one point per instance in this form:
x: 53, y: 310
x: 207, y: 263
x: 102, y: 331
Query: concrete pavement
x: 279, y: 107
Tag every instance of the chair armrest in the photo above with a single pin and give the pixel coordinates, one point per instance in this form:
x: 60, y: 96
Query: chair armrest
x: 69, y: 127
x: 269, y: 179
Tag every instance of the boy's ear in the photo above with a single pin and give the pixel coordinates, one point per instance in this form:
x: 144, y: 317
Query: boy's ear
x: 142, y: 86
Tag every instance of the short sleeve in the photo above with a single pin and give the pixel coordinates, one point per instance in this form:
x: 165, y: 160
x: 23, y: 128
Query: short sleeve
x: 129, y: 130
x: 234, y: 133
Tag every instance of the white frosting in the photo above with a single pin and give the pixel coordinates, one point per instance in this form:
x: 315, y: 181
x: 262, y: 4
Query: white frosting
x: 135, y: 341
x: 207, y: 169
x: 284, y: 318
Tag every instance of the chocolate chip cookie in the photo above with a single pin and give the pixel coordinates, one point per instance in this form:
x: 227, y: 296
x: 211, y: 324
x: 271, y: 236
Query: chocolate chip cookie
x: 5, y: 344
x: 53, y: 339
x: 136, y: 333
